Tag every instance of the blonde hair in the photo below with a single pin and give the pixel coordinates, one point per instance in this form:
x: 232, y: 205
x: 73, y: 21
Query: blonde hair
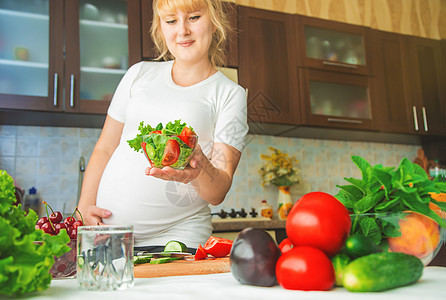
x: 217, y: 55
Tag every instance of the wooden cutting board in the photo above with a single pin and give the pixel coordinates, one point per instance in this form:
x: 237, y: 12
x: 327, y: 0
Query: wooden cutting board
x: 187, y: 266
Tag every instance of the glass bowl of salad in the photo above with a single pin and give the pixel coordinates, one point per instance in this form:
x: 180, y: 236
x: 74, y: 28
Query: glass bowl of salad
x: 172, y: 145
x: 406, y: 231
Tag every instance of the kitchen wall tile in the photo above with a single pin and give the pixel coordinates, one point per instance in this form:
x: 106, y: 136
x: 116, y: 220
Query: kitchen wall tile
x: 27, y: 146
x: 48, y: 166
x: 69, y: 132
x: 69, y: 148
x: 26, y: 166
x: 49, y: 131
x: 49, y: 147
x: 7, y: 163
x: 28, y: 131
x: 89, y: 132
x: 8, y: 145
x: 7, y: 130
x: 69, y: 165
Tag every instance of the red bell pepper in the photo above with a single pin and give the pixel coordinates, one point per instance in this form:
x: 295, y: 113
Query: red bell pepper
x: 285, y: 245
x: 201, y: 253
x: 218, y: 247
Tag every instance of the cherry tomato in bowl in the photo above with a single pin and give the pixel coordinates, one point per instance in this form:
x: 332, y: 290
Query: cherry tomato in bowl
x: 171, y: 153
x: 188, y: 137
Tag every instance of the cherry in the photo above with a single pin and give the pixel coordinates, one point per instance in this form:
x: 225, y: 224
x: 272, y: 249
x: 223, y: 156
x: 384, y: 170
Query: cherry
x: 55, y: 217
x: 77, y: 223
x: 58, y: 227
x: 69, y: 221
x: 72, y: 233
x: 42, y: 221
x: 47, y: 228
x: 37, y: 226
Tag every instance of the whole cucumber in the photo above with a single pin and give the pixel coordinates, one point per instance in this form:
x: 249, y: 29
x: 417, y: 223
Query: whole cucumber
x: 340, y: 262
x: 382, y: 271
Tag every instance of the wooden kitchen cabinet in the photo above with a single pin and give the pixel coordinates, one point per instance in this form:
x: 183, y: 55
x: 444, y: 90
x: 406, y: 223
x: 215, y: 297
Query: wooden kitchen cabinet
x: 73, y: 54
x: 148, y: 47
x: 394, y: 111
x: 267, y: 65
x: 331, y: 99
x: 427, y: 76
x: 410, y: 75
x: 333, y: 46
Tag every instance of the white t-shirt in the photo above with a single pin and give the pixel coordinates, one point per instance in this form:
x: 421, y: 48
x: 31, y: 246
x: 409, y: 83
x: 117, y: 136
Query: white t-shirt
x: 160, y: 210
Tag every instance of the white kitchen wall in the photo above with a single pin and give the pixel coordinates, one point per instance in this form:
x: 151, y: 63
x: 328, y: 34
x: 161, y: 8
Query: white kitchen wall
x: 48, y: 158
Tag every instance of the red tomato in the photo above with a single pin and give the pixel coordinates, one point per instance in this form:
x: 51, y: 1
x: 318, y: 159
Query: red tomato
x: 319, y: 220
x: 305, y: 268
x: 218, y: 247
x: 201, y: 253
x: 171, y: 153
x: 285, y: 245
x: 188, y: 137
x: 156, y: 132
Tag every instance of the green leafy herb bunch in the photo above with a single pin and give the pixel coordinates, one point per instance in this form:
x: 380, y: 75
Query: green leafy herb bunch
x: 384, y: 191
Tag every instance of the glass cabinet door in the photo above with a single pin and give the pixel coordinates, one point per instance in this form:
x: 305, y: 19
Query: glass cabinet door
x: 24, y: 47
x: 337, y: 100
x: 334, y: 46
x: 103, y: 42
x: 330, y: 45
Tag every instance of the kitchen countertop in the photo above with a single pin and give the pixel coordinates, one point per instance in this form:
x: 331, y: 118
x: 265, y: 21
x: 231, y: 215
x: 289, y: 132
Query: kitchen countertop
x: 242, y: 223
x: 224, y: 286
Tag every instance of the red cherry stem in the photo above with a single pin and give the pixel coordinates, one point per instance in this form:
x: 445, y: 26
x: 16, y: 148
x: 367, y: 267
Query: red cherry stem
x: 77, y: 210
x: 46, y: 209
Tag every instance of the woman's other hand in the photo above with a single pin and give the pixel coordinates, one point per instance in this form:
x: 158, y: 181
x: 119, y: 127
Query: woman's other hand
x: 186, y: 175
x: 94, y: 215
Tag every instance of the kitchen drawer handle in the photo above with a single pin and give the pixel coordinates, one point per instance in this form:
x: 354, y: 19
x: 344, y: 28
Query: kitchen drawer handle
x: 423, y: 109
x: 72, y: 91
x: 335, y: 64
x: 415, y: 117
x: 335, y: 120
x: 55, y: 89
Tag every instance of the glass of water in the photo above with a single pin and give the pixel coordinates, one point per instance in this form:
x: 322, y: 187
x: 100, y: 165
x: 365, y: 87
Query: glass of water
x: 105, y: 257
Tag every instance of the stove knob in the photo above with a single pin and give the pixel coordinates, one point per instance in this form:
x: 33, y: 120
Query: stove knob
x: 233, y: 214
x: 223, y: 214
x: 253, y: 212
x: 242, y: 213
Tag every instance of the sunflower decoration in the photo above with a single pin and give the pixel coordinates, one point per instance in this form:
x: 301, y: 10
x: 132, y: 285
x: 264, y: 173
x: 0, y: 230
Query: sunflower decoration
x: 279, y: 169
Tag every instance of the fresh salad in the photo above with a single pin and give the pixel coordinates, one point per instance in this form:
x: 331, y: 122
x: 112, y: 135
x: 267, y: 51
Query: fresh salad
x: 171, y: 145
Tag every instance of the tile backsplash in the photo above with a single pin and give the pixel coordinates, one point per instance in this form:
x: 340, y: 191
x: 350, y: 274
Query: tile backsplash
x: 48, y: 158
